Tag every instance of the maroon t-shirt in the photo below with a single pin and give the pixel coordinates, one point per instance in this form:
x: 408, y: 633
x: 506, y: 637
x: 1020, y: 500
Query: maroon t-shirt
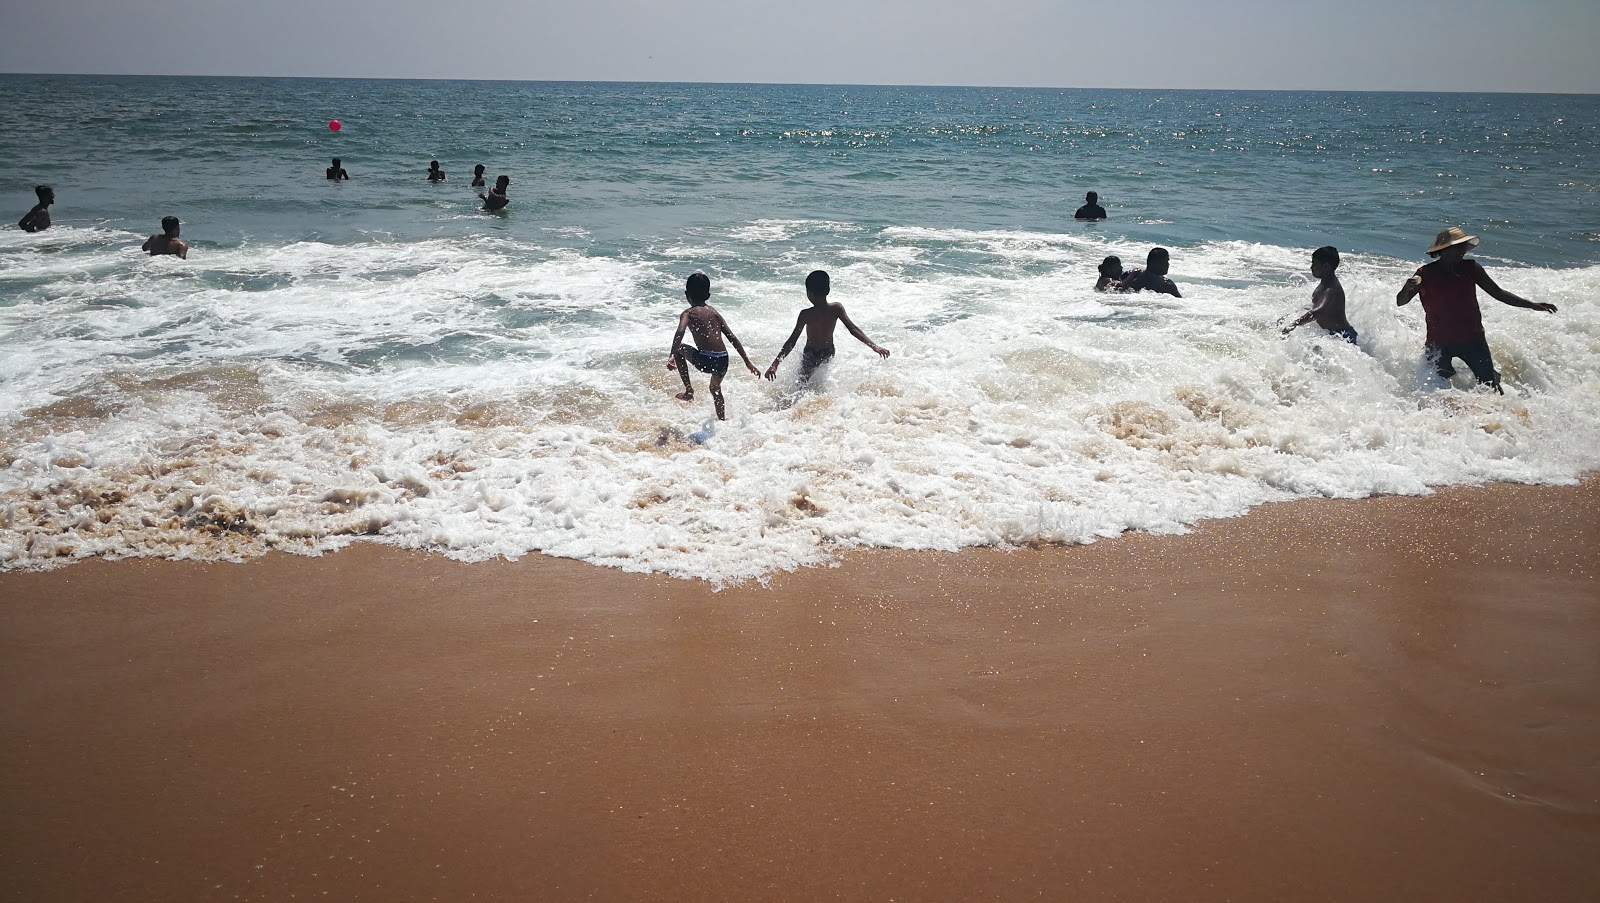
x: 1450, y: 301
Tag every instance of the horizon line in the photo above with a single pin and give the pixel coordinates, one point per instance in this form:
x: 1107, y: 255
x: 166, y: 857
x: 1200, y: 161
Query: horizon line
x: 621, y: 81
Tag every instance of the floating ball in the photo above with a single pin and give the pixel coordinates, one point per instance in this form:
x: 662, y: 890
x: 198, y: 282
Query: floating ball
x: 335, y: 125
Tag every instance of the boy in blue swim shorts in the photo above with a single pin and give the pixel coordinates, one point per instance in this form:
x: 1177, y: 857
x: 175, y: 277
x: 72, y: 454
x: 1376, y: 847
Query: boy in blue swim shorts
x: 708, y: 354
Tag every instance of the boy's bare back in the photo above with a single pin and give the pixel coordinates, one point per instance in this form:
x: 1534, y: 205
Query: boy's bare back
x: 706, y: 325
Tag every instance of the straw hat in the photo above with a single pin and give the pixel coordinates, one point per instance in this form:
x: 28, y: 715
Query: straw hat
x: 1449, y: 237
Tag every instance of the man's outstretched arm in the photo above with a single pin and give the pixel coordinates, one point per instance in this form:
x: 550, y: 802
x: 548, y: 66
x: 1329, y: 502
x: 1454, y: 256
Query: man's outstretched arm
x: 1504, y: 297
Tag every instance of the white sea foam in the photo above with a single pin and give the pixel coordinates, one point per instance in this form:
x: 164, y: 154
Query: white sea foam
x: 497, y: 399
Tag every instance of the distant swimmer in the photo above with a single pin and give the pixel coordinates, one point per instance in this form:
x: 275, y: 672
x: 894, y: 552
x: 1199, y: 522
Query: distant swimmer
x: 1327, y: 299
x: 38, y: 219
x: 168, y: 241
x: 496, y: 198
x: 707, y: 354
x: 1091, y: 210
x: 336, y: 172
x: 818, y: 321
x: 435, y: 174
x: 1110, y: 272
x: 1449, y: 289
x: 477, y: 177
x: 1152, y: 277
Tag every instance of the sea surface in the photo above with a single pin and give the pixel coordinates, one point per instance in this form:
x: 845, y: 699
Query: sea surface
x: 379, y: 360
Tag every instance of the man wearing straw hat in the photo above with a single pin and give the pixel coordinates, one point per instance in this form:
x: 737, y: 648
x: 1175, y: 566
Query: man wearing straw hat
x: 1449, y: 289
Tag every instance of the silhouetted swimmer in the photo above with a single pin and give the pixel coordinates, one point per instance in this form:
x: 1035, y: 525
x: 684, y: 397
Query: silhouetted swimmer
x: 38, y: 219
x: 477, y: 177
x: 336, y: 172
x: 1091, y: 210
x: 707, y: 354
x: 818, y: 321
x: 496, y: 198
x: 1449, y: 289
x: 1327, y: 299
x: 1110, y: 271
x: 168, y: 241
x: 1152, y: 277
x: 435, y: 174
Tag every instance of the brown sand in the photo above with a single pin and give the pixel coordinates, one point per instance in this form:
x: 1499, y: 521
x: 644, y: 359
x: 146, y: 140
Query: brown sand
x: 1387, y: 699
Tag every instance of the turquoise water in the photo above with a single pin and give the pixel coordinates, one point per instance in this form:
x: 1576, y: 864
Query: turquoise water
x: 379, y: 359
x: 242, y: 159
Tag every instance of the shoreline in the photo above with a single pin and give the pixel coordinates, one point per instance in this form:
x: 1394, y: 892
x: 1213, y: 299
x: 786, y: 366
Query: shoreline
x: 1392, y: 697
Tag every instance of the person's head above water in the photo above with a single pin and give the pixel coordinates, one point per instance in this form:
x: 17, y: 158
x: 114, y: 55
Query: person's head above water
x: 336, y: 163
x: 1092, y: 197
x: 817, y: 284
x: 477, y: 170
x: 434, y: 164
x: 169, y: 225
x: 1324, y: 261
x: 1111, y: 266
x: 47, y: 195
x: 1452, y: 243
x: 501, y: 182
x: 1157, y: 262
x: 698, y: 288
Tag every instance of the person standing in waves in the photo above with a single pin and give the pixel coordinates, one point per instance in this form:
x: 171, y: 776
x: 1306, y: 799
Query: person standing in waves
x: 1449, y: 289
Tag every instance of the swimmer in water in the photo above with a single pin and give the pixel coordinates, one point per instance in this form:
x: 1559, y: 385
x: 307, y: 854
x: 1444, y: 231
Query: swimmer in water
x: 168, y: 241
x: 38, y: 219
x: 1327, y: 299
x: 708, y: 354
x: 818, y: 321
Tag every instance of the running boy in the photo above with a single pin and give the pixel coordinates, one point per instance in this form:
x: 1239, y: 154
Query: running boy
x: 1327, y: 300
x: 818, y: 321
x: 708, y: 354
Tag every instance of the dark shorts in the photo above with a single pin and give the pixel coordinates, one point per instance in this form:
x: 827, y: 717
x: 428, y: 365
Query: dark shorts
x: 812, y: 358
x: 1474, y: 354
x: 706, y: 361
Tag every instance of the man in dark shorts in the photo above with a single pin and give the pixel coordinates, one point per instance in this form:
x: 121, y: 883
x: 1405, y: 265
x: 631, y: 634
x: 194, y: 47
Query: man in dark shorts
x: 818, y: 321
x: 707, y: 354
x: 38, y: 219
x: 1152, y: 277
x: 1091, y: 210
x: 1449, y: 289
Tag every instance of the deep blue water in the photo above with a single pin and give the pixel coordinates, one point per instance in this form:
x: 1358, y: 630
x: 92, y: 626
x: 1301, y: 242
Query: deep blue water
x: 239, y: 158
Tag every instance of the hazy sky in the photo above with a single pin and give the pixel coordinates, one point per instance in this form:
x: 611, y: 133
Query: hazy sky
x: 1464, y: 45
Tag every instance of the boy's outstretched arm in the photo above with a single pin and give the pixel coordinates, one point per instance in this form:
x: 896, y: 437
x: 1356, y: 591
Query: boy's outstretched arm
x: 739, y: 347
x: 677, y: 339
x: 856, y: 331
x: 1302, y: 320
x: 799, y: 324
x: 1505, y: 297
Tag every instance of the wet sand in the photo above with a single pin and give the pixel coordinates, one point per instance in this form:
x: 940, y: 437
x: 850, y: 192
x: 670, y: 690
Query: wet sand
x: 1395, y: 698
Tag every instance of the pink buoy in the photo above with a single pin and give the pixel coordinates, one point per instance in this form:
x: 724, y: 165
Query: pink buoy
x: 335, y: 125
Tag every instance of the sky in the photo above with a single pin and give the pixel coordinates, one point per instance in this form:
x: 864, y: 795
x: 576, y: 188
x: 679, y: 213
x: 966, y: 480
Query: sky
x: 1402, y: 45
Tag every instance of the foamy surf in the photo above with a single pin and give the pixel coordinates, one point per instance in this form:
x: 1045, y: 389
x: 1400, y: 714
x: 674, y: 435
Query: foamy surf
x: 503, y: 398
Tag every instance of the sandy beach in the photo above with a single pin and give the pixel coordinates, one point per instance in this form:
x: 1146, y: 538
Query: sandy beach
x: 1394, y: 698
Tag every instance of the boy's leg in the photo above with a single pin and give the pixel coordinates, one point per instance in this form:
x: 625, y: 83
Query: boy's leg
x: 716, y: 395
x: 681, y: 353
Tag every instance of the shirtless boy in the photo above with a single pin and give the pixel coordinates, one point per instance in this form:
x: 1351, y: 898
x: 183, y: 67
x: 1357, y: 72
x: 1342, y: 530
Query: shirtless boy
x: 435, y: 174
x: 168, y: 241
x: 1327, y: 300
x: 818, y: 321
x: 38, y: 219
x: 707, y: 354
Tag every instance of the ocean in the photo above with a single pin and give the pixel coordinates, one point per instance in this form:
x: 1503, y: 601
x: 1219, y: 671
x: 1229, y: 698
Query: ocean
x: 379, y: 360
